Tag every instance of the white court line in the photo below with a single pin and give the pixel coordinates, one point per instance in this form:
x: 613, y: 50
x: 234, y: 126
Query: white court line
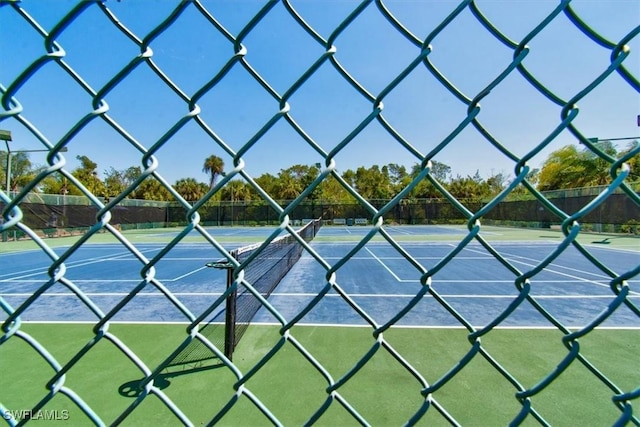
x: 189, y: 273
x: 383, y: 264
x: 403, y: 258
x: 396, y: 326
x: 469, y: 296
x: 115, y: 294
x: 96, y: 260
x: 310, y: 295
x: 207, y: 259
x: 71, y: 264
x: 417, y: 243
x: 323, y: 325
x: 610, y: 249
x: 399, y: 231
x: 512, y: 257
x: 78, y: 281
x: 434, y: 282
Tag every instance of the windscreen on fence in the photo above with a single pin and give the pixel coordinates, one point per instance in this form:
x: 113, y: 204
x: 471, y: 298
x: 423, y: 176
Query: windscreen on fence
x: 266, y: 85
x: 55, y: 214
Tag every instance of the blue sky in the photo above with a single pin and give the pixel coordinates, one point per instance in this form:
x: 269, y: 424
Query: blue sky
x: 192, y: 51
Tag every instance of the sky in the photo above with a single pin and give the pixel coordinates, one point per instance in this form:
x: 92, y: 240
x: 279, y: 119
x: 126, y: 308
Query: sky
x: 238, y: 109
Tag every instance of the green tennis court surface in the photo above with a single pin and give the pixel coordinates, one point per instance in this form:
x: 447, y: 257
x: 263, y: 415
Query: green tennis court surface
x: 382, y: 392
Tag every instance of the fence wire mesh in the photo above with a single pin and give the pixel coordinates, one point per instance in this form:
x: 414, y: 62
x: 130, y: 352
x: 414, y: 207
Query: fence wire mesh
x: 110, y: 74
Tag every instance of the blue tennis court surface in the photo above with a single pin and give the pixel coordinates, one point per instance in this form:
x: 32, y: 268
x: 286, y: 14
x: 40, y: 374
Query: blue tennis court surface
x: 378, y: 279
x: 337, y: 232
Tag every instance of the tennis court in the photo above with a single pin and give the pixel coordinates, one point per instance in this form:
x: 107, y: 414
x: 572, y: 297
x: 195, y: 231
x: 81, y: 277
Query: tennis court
x: 378, y: 278
x: 333, y: 335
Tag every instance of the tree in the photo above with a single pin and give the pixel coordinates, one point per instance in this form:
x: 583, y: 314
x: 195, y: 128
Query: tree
x: 214, y: 167
x: 349, y: 177
x: 569, y: 167
x: 495, y: 184
x: 633, y: 162
x: 287, y: 187
x: 151, y: 189
x: 440, y: 171
x: 373, y: 183
x: 520, y: 192
x: 117, y: 181
x: 88, y: 176
x: 236, y: 190
x: 598, y: 169
x: 332, y: 191
x: 22, y: 171
x: 305, y: 175
x: 425, y: 190
x: 56, y: 183
x: 396, y: 172
x: 471, y: 188
x: 267, y: 183
x: 190, y: 189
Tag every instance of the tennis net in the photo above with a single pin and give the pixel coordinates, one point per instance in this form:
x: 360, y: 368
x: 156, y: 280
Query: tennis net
x: 263, y: 272
x: 266, y: 267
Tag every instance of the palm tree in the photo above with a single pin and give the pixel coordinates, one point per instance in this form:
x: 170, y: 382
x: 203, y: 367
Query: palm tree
x: 190, y: 189
x: 288, y: 187
x: 570, y: 167
x: 213, y: 166
x: 236, y: 190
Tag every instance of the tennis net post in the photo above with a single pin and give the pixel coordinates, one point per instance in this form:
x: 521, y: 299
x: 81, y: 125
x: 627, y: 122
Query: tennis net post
x: 230, y: 306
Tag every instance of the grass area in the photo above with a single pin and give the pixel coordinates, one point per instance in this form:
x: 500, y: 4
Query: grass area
x: 383, y: 391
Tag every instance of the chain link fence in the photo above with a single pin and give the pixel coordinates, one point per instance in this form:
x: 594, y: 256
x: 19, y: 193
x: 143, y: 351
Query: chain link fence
x: 98, y: 82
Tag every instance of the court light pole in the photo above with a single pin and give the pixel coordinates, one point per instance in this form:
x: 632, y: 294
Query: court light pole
x: 9, y: 152
x: 5, y: 136
x: 595, y: 140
